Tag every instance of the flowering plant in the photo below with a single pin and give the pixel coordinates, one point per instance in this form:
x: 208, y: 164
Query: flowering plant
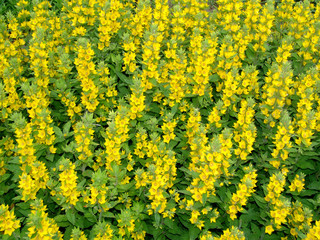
x: 142, y: 119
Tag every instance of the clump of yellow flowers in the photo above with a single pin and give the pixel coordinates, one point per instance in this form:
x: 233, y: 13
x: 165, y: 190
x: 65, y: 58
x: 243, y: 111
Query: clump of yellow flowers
x: 40, y: 226
x: 8, y: 222
x: 68, y: 179
x: 156, y: 119
x: 245, y: 189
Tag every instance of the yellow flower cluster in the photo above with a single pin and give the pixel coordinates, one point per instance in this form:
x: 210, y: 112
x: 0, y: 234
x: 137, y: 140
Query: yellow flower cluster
x: 284, y: 51
x: 244, y: 129
x: 304, y: 31
x: 70, y: 101
x: 129, y: 56
x: 126, y: 227
x: 108, y: 86
x: 25, y: 148
x: 137, y: 100
x: 300, y: 218
x: 203, y: 52
x: 275, y: 187
x: 11, y: 76
x: 276, y: 92
x: 144, y: 117
x: 229, y: 14
x: 98, y: 193
x: 117, y: 133
x: 193, y: 125
x: 209, y: 163
x: 142, y: 144
x: 175, y: 70
x: 214, y: 117
x: 139, y: 235
x: 34, y: 174
x: 45, y: 128
x: 245, y: 190
x: 305, y: 120
x: 168, y: 130
x: 280, y: 207
x: 105, y: 232
x: 297, y: 184
x: 231, y: 234
x: 140, y: 21
x: 161, y: 175
x: 259, y: 20
x: 68, y: 179
x: 86, y: 69
x: 84, y: 137
x: 40, y: 226
x: 227, y: 58
x: 81, y: 14
x: 282, y: 141
x: 283, y: 12
x: 279, y: 214
x: 314, y: 232
x: 67, y: 97
x: 8, y: 224
x: 31, y: 181
x: 151, y: 56
x: 36, y: 92
x: 77, y: 235
x: 109, y: 23
x: 2, y: 163
x: 229, y: 88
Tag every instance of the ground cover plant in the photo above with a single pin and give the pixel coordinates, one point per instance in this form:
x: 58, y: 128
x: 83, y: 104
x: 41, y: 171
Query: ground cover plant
x: 159, y: 120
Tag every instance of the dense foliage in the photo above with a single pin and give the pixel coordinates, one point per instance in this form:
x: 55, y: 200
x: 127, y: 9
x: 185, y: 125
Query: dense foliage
x: 124, y: 119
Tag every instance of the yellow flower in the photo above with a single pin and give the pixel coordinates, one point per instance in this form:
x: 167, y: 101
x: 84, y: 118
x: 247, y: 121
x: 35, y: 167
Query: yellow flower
x: 52, y: 149
x: 41, y: 134
x: 194, y: 216
x: 269, y: 229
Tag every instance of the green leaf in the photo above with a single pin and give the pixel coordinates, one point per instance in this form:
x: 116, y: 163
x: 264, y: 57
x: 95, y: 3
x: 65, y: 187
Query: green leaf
x: 259, y: 200
x: 79, y: 207
x: 67, y: 233
x: 4, y: 177
x: 50, y: 157
x: 172, y: 144
x: 15, y: 169
x: 300, y: 234
x: 90, y: 216
x: 109, y: 215
x: 123, y: 91
x: 214, y: 78
x: 304, y: 164
x: 126, y: 187
x: 214, y: 199
x: 157, y: 219
x: 24, y: 212
x: 315, y: 185
x: 204, y: 198
x: 121, y: 76
x: 57, y: 131
x: 194, y: 233
x: 23, y: 205
x: 171, y: 236
x: 172, y: 225
x: 154, y: 108
x: 66, y: 127
x: 307, y: 192
x: 71, y: 216
x: 62, y: 220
